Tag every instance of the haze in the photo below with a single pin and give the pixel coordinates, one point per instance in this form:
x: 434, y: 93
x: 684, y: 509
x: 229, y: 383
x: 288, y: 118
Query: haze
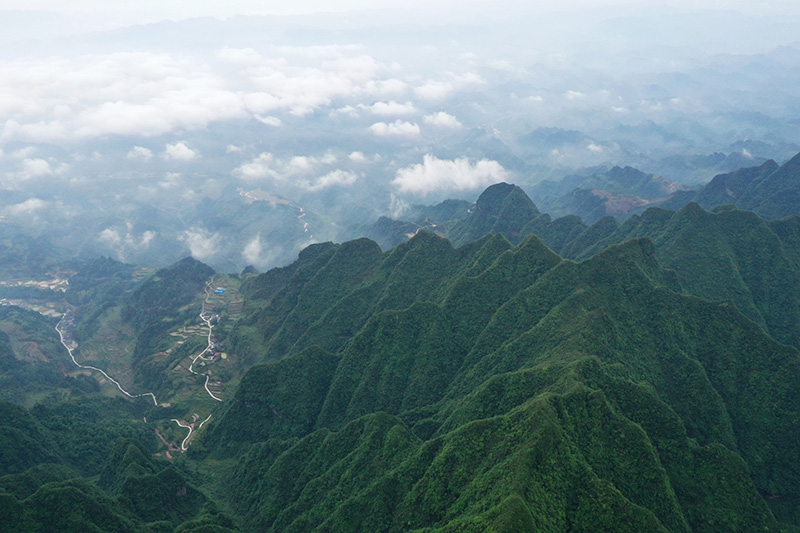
x: 241, y: 135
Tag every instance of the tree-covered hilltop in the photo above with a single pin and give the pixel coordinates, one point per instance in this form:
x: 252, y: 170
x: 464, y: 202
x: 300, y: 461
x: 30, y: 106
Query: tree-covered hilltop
x: 500, y: 387
x: 33, y: 363
x: 97, y: 286
x: 163, y: 295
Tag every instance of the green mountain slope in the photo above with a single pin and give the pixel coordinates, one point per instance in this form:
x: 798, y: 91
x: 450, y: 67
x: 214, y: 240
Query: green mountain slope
x: 514, y: 391
x: 727, y: 255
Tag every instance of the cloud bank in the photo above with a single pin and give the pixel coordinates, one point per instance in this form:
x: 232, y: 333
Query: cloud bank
x: 179, y: 152
x: 435, y: 174
x: 442, y: 120
x: 398, y: 128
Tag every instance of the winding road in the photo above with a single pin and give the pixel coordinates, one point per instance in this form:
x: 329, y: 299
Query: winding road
x: 210, y: 345
x: 208, y: 348
x: 88, y: 367
x: 190, y: 427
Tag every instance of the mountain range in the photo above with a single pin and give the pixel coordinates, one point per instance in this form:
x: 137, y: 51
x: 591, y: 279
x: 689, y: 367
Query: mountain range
x: 497, y: 369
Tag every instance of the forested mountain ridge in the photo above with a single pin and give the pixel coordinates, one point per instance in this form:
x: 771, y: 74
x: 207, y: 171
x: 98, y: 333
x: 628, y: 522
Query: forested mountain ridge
x: 512, y: 390
x: 724, y: 254
x: 727, y: 254
x: 577, y: 203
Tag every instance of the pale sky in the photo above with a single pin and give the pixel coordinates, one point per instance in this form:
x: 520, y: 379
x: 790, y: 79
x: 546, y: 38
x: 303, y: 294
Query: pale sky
x: 101, y: 13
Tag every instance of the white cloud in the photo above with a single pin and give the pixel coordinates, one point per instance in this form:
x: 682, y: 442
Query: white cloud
x: 23, y: 153
x: 252, y: 251
x: 574, y: 95
x: 357, y: 157
x: 398, y: 128
x: 335, y: 177
x: 434, y: 90
x: 266, y: 165
x: 147, y: 238
x: 386, y: 88
x: 179, y: 152
x: 240, y: 57
x: 392, y: 108
x: 171, y: 180
x: 259, y: 254
x: 442, y: 120
x: 397, y: 206
x: 438, y: 90
x: 259, y: 168
x: 140, y: 152
x: 26, y: 208
x: 596, y: 148
x: 35, y: 168
x: 110, y: 236
x: 38, y: 131
x: 300, y: 164
x: 346, y: 111
x: 448, y: 175
x: 202, y: 243
x: 275, y: 122
x: 469, y: 78
x: 232, y: 149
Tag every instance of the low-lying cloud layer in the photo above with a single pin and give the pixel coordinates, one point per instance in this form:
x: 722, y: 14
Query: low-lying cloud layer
x: 148, y: 94
x: 310, y: 173
x: 203, y: 244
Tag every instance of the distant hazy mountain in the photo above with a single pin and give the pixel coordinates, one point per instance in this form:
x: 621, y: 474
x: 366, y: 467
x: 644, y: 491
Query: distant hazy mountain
x: 614, y: 192
x: 770, y: 190
x: 388, y: 232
